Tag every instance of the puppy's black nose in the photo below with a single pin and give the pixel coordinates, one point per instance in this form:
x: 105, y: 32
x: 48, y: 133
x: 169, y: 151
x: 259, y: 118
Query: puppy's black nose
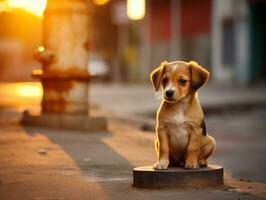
x: 169, y: 93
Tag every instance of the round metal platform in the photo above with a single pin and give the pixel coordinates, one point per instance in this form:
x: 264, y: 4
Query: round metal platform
x: 147, y: 177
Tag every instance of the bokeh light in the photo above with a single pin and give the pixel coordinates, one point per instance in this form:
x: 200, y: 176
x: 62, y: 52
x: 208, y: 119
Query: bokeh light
x: 135, y: 9
x: 35, y: 6
x: 100, y: 2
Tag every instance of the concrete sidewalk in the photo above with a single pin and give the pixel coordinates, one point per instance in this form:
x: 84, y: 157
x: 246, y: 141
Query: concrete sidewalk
x: 141, y: 99
x: 139, y: 103
x: 135, y: 99
x: 44, y: 164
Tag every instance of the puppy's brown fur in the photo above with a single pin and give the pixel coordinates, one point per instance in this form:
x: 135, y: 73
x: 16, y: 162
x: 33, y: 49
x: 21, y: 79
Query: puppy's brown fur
x: 181, y: 134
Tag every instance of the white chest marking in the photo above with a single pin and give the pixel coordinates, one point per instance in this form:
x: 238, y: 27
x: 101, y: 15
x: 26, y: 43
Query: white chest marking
x: 178, y: 130
x: 179, y: 117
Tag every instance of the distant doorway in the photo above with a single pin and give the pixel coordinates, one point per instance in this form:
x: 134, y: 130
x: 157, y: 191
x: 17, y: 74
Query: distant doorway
x: 258, y: 40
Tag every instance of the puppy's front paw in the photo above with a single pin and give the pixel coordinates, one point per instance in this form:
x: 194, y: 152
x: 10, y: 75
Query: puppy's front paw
x: 203, y: 163
x: 191, y: 165
x: 161, y: 164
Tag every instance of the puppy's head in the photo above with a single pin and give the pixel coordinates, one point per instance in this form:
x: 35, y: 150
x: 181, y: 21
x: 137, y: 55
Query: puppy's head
x: 178, y: 79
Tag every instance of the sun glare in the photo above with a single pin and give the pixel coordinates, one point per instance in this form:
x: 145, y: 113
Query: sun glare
x: 35, y: 6
x: 28, y: 90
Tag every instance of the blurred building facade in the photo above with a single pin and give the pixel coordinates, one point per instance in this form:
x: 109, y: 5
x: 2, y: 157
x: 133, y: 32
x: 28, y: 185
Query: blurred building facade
x: 238, y: 40
x: 227, y: 37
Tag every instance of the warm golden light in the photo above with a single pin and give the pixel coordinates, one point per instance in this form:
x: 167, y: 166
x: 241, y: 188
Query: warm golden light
x: 3, y: 6
x: 100, y: 2
x: 37, y: 72
x: 135, y: 9
x: 35, y: 6
x: 25, y: 89
x: 41, y: 49
x: 28, y: 90
x: 21, y: 95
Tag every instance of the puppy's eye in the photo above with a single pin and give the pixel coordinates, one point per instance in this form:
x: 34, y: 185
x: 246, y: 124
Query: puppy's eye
x: 182, y: 81
x: 164, y: 81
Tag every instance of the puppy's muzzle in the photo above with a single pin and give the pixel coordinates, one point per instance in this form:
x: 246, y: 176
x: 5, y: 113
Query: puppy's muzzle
x: 169, y: 94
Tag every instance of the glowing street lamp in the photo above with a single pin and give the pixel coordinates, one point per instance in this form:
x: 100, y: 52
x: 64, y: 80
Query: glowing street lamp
x: 135, y: 9
x: 35, y: 6
x: 100, y: 2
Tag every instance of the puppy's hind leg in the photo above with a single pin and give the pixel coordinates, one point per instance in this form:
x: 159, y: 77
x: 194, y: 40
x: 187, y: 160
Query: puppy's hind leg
x: 206, y: 151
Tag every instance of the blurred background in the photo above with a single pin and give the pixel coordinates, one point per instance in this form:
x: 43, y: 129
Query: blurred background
x: 129, y: 38
x: 128, y: 41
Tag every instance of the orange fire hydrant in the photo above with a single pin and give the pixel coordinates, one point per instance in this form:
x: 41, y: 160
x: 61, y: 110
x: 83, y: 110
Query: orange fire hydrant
x: 64, y: 57
x: 64, y: 74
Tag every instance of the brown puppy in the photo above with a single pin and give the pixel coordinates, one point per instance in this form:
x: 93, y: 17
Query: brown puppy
x: 181, y: 133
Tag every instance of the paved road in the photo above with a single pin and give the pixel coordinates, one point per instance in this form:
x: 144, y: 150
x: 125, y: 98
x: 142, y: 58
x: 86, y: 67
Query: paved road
x: 241, y: 139
x: 49, y: 164
x: 43, y: 164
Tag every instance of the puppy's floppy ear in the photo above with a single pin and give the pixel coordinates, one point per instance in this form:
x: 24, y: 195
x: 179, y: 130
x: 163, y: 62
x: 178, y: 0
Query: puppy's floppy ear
x: 199, y: 75
x: 156, y: 76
